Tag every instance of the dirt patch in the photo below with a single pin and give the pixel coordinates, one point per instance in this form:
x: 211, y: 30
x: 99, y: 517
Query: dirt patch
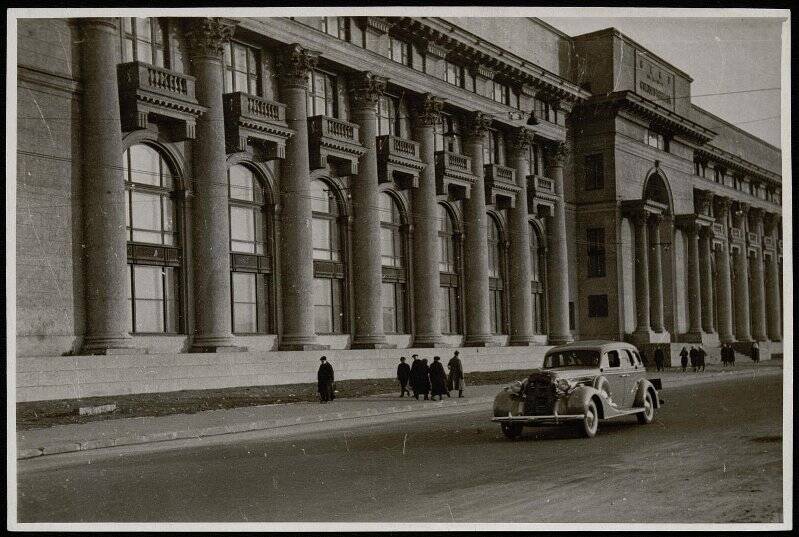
x: 768, y: 439
x: 39, y: 414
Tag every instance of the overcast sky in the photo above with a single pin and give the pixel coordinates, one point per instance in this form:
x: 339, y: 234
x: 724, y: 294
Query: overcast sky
x: 722, y: 55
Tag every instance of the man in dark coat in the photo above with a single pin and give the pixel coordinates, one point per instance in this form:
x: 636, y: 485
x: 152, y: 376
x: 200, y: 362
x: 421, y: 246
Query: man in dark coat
x: 455, y: 380
x: 700, y: 357
x: 324, y: 380
x: 438, y: 379
x: 659, y: 359
x: 684, y: 358
x: 723, y: 354
x: 694, y: 356
x: 755, y: 352
x: 414, y: 378
x: 403, y: 374
x: 730, y: 354
x: 423, y: 378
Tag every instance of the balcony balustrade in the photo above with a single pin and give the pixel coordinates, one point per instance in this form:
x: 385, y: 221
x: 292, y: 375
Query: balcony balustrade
x: 250, y: 119
x: 334, y: 142
x: 500, y: 186
x: 454, y: 175
x: 398, y: 160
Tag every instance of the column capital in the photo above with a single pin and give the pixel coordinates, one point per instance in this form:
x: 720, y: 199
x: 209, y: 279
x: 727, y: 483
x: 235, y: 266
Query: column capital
x: 722, y: 206
x: 519, y: 139
x: 755, y: 214
x: 427, y: 110
x: 206, y: 36
x: 771, y: 220
x: 295, y: 63
x: 366, y: 89
x: 105, y: 23
x: 703, y: 202
x: 556, y: 153
x: 477, y: 123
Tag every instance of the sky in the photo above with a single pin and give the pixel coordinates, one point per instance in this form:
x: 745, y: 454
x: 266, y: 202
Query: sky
x: 728, y: 57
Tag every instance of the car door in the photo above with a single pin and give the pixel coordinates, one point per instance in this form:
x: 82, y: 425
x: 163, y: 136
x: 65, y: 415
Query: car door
x: 632, y: 372
x: 613, y: 372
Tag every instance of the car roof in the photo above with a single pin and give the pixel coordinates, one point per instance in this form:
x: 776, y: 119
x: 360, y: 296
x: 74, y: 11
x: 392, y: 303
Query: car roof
x: 601, y: 345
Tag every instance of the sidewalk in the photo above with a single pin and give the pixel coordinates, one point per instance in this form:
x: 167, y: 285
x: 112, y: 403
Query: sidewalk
x: 120, y: 432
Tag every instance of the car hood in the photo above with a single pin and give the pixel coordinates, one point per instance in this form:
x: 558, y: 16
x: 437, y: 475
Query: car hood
x: 570, y: 373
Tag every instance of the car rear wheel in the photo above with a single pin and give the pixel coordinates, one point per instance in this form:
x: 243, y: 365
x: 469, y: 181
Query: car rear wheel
x: 649, y: 410
x: 512, y: 431
x: 590, y: 421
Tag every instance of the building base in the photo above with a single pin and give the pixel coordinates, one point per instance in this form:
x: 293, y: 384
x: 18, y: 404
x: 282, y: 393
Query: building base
x: 649, y: 337
x: 217, y: 348
x: 370, y: 345
x: 480, y: 341
x: 521, y: 341
x: 302, y: 347
x: 429, y: 344
x: 110, y: 346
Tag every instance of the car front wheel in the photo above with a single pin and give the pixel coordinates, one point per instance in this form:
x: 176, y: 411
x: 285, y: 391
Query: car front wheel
x: 590, y: 421
x: 649, y: 410
x: 511, y: 431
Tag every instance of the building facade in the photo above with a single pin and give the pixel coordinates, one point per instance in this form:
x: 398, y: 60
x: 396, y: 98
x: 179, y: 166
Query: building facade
x: 258, y: 185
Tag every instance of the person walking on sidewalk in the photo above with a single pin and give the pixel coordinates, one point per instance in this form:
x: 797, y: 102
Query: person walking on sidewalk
x: 324, y: 380
x: 455, y: 379
x: 423, y: 378
x: 659, y: 359
x: 723, y: 355
x: 414, y: 378
x: 684, y: 359
x: 438, y: 379
x: 403, y: 374
x: 731, y: 355
x: 755, y: 352
x: 693, y: 354
x: 700, y: 357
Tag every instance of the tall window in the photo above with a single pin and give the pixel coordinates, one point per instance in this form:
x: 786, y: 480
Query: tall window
x: 400, y: 51
x: 596, y: 252
x: 537, y: 281
x: 449, y: 296
x: 495, y: 270
x: 456, y: 74
x: 143, y: 40
x: 241, y: 68
x: 535, y: 156
x: 321, y: 97
x: 594, y: 172
x: 388, y: 116
x: 251, y: 275
x: 656, y: 139
x: 335, y: 26
x: 328, y: 264
x: 492, y: 148
x: 501, y: 93
x: 154, y: 255
x: 392, y: 258
x: 446, y: 137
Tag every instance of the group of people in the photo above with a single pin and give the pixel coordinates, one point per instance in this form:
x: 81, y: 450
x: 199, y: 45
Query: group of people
x: 430, y: 380
x: 697, y: 356
x: 727, y: 355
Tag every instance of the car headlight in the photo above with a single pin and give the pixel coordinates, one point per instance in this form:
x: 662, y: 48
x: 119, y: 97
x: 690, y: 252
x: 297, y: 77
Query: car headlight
x: 516, y: 387
x: 564, y: 385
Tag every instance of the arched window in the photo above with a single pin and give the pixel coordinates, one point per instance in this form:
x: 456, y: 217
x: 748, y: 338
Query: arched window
x: 495, y: 271
x: 251, y: 278
x: 328, y: 261
x: 154, y: 253
x: 537, y: 281
x: 392, y: 254
x: 449, y: 297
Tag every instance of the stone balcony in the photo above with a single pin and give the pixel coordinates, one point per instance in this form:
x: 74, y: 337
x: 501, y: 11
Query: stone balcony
x: 718, y: 230
x: 736, y: 234
x: 250, y: 119
x: 541, y: 196
x: 454, y: 175
x: 753, y: 239
x: 768, y: 243
x: 399, y: 161
x: 500, y: 186
x: 154, y: 94
x: 334, y: 142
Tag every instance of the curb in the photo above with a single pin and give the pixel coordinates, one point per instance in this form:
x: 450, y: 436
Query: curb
x: 261, y: 425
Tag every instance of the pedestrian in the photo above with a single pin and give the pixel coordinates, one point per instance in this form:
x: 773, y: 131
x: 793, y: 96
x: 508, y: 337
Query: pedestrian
x: 700, y: 357
x: 414, y: 378
x: 659, y: 359
x: 423, y: 378
x: 731, y: 354
x: 755, y: 352
x: 324, y: 380
x: 455, y: 379
x: 438, y: 379
x: 684, y: 358
x: 694, y: 356
x: 403, y: 374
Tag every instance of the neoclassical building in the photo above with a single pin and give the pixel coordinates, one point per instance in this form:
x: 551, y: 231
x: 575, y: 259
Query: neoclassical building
x: 259, y: 185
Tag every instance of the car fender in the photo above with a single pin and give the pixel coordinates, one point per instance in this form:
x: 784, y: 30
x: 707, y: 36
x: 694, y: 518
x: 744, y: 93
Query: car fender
x: 579, y: 398
x: 507, y: 402
x: 641, y: 388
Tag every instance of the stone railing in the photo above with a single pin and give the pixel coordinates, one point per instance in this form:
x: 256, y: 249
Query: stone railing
x: 330, y: 127
x: 718, y: 230
x: 252, y: 106
x: 500, y: 174
x: 768, y: 243
x: 453, y: 161
x: 139, y: 75
x: 736, y: 234
x: 454, y: 176
x: 752, y: 238
x: 335, y: 142
x: 396, y: 146
x: 541, y: 185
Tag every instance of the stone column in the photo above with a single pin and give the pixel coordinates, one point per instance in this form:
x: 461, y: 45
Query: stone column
x: 475, y: 262
x: 773, y: 283
x: 366, y: 264
x: 521, y: 301
x: 108, y: 320
x: 758, y: 289
x: 427, y: 327
x: 656, y: 274
x: 724, y: 295
x: 296, y: 245
x: 694, y: 297
x: 641, y: 273
x: 557, y: 254
x: 210, y: 224
x: 706, y: 276
x: 742, y: 305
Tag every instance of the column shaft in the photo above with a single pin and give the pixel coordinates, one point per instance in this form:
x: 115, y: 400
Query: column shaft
x: 742, y: 318
x: 557, y: 256
x: 724, y: 294
x: 706, y: 274
x: 656, y: 268
x: 773, y: 296
x: 641, y: 274
x: 108, y: 320
x: 694, y: 297
x: 758, y: 298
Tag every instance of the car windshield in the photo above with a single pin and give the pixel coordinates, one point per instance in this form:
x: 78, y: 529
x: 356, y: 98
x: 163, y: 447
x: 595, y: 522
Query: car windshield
x: 572, y: 358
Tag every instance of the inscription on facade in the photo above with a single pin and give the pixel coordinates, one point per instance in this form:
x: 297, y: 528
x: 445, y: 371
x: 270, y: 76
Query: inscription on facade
x: 653, y: 81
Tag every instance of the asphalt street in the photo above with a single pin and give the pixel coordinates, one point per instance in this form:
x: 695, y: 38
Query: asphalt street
x: 713, y: 454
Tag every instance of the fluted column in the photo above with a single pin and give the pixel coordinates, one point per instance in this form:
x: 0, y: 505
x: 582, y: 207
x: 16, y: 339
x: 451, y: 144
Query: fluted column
x: 108, y: 320
x: 557, y: 258
x: 475, y: 263
x: 742, y: 317
x: 296, y: 245
x: 656, y: 274
x: 366, y: 264
x: 758, y: 284
x: 724, y: 293
x: 641, y: 273
x: 694, y: 297
x: 210, y: 224
x: 521, y: 301
x: 706, y: 277
x: 427, y: 326
x: 773, y: 316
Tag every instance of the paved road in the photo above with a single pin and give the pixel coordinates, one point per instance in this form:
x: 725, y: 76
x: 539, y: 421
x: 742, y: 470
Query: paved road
x: 713, y: 454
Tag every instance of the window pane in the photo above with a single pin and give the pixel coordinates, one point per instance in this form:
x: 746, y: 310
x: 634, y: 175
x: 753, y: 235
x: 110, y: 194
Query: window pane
x: 389, y: 308
x: 321, y: 238
x: 323, y: 310
x: 228, y: 80
x: 240, y: 81
x: 143, y: 28
x: 171, y: 291
x: 127, y: 51
x: 241, y: 183
x: 149, y: 316
x: 443, y: 315
x: 239, y: 56
x: 262, y: 282
x: 148, y: 282
x: 244, y: 303
x: 144, y: 52
x: 320, y: 201
x: 127, y: 25
x: 244, y: 318
x: 169, y: 213
x: 387, y: 246
x: 147, y: 211
x: 243, y: 287
x: 242, y: 224
x: 144, y: 165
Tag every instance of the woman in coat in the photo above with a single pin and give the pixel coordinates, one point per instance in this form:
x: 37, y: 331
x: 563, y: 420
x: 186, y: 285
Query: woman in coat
x: 438, y: 379
x: 455, y: 380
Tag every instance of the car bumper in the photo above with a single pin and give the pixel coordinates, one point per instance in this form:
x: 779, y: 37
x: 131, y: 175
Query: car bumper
x: 529, y: 420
